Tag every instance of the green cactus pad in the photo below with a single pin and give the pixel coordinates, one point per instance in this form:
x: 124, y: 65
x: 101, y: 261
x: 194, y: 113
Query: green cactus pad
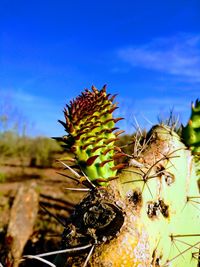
x: 90, y: 126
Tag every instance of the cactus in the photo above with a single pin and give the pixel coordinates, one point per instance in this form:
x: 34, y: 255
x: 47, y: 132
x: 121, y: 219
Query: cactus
x: 90, y: 125
x: 191, y: 133
x: 143, y: 212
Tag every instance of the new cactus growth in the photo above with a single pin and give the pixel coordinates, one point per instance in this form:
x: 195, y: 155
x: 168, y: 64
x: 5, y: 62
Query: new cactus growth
x: 90, y: 125
x: 142, y: 213
x: 191, y: 133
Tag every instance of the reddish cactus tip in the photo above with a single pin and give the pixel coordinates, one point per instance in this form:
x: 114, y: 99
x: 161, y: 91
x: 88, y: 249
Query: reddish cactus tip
x: 91, y: 160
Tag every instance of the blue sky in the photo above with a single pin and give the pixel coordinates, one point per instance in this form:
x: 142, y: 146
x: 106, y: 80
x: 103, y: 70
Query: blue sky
x: 146, y: 51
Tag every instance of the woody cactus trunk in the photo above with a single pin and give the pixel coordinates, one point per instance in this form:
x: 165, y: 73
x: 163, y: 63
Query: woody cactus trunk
x: 141, y: 212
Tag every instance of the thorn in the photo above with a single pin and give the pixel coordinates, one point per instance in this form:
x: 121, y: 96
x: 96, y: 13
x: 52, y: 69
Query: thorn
x: 65, y: 175
x: 63, y: 124
x: 111, y: 178
x: 104, y: 88
x: 108, y: 120
x: 73, y: 160
x: 104, y: 107
x: 51, y: 214
x: 69, y: 168
x: 87, y: 180
x: 138, y: 126
x: 111, y: 140
x: 78, y: 189
x: 119, y: 155
x: 113, y: 97
x: 104, y: 162
x: 119, y: 166
x: 39, y: 259
x: 119, y: 132
x: 94, y: 89
x: 99, y: 139
x: 112, y: 109
x: 110, y: 149
x: 88, y: 256
x: 91, y: 160
x: 105, y: 180
x: 57, y: 139
x: 118, y: 119
x: 94, y: 127
x: 186, y: 235
x: 92, y: 117
x: 114, y: 128
x: 184, y: 251
x: 88, y: 137
x: 135, y: 163
x: 96, y: 148
x: 116, y: 148
x: 88, y: 144
x: 67, y: 250
x: 107, y: 150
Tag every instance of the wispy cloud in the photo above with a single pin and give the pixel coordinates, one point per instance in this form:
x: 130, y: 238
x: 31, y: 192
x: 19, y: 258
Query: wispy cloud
x: 178, y: 55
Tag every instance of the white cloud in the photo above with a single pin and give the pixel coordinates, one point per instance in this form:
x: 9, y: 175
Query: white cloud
x: 179, y: 55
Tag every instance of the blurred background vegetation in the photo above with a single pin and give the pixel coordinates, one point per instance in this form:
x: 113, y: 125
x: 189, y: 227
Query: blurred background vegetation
x: 19, y: 149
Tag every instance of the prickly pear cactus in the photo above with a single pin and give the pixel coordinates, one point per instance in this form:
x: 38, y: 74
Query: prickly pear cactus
x: 149, y: 215
x: 144, y: 212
